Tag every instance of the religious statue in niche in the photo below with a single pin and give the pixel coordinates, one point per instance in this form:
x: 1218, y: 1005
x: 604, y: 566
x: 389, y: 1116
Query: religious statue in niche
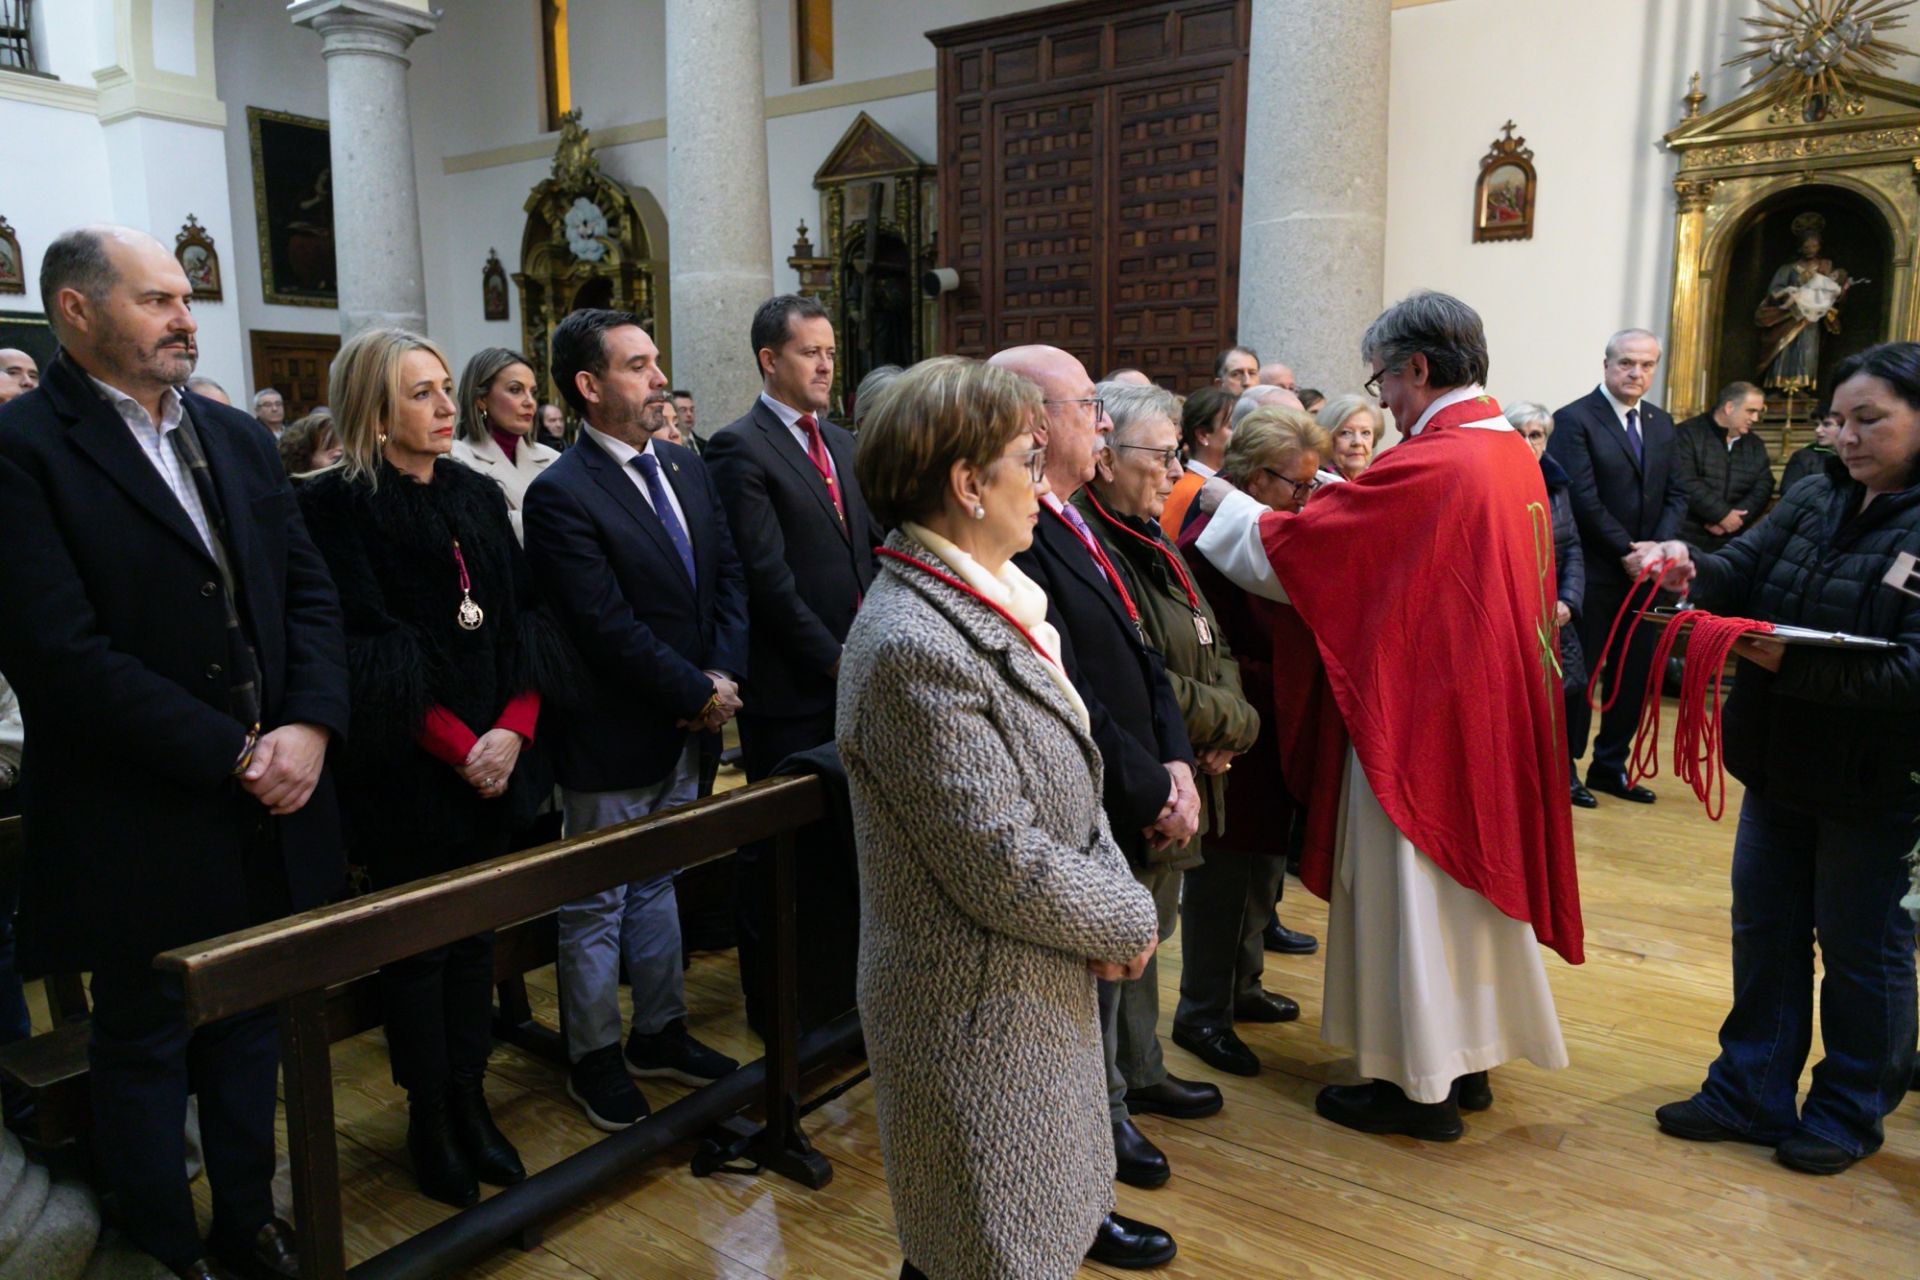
x: 13, y: 272
x: 1803, y: 298
x: 194, y: 250
x: 1503, y: 198
x: 877, y: 284
x: 493, y: 287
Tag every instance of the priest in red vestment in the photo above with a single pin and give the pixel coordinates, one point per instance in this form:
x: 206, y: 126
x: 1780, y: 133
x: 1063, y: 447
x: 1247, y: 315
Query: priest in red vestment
x: 1428, y: 584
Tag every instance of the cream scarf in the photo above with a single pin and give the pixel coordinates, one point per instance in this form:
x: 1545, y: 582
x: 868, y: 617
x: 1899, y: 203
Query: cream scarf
x: 1015, y: 592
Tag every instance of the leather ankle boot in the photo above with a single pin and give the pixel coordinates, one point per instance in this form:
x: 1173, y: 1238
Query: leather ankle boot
x: 491, y: 1156
x: 439, y: 1165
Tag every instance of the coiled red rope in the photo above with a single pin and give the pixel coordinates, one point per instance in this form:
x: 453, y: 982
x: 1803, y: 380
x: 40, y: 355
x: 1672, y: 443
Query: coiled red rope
x: 1697, y: 727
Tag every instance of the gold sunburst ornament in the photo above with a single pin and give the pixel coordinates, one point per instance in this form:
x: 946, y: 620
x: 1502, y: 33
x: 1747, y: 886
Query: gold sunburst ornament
x: 1807, y: 50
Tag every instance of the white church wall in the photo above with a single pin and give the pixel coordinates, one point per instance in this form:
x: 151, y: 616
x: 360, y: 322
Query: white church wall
x: 1592, y: 87
x: 262, y: 60
x: 39, y: 211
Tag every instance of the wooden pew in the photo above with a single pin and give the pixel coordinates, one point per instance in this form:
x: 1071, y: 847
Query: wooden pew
x: 293, y: 964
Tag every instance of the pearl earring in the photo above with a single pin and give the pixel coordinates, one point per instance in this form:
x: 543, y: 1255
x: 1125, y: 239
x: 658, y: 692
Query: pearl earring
x: 383, y: 437
x: 979, y: 512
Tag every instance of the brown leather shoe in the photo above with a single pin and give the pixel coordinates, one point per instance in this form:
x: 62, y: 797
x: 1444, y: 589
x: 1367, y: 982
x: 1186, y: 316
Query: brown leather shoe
x: 270, y: 1254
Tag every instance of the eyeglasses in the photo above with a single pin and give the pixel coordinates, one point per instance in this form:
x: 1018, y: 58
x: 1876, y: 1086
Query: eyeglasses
x: 1295, y: 486
x: 1373, y: 384
x: 1168, y: 456
x: 1035, y: 461
x: 1099, y: 406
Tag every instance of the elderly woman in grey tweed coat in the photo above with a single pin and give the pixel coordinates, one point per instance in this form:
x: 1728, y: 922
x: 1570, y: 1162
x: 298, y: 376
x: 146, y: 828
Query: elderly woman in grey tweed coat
x: 992, y: 891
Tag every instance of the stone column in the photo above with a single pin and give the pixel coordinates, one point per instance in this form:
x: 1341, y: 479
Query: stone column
x: 722, y: 264
x: 1313, y: 227
x: 376, y: 206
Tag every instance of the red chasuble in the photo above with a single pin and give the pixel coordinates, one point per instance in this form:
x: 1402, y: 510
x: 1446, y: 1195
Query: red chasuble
x: 1428, y: 585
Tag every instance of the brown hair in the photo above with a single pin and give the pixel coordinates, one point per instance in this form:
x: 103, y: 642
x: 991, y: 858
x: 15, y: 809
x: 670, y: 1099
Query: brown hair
x: 941, y: 411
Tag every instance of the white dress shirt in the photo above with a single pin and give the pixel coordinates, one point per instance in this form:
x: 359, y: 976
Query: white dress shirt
x: 790, y: 419
x: 1620, y: 408
x: 154, y: 444
x: 624, y: 454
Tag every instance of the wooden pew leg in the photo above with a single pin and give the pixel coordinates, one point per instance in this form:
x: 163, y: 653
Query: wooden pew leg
x: 782, y: 1146
x: 311, y: 1150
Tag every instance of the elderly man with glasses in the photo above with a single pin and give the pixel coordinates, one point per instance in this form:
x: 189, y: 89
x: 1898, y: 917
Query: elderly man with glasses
x: 1428, y: 584
x: 1148, y: 789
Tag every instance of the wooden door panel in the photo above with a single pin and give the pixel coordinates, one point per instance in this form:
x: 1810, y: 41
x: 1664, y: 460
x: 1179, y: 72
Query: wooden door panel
x: 294, y: 364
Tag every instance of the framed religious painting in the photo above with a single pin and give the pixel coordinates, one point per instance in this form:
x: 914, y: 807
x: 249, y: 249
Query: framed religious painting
x: 13, y: 267
x: 194, y: 249
x: 1503, y: 198
x: 493, y: 288
x: 293, y: 207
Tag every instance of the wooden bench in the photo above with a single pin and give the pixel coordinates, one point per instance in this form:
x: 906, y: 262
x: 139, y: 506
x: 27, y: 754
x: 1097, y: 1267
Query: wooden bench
x: 297, y: 966
x: 52, y: 1066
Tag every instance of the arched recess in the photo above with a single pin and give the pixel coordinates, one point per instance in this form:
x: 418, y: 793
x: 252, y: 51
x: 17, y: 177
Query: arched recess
x: 585, y: 245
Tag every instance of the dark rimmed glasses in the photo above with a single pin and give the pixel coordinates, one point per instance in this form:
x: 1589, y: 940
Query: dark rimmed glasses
x: 1099, y: 406
x: 1168, y: 456
x: 1295, y: 487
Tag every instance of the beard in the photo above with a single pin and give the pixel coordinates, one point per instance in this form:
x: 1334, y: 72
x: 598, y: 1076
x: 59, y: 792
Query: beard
x: 170, y: 360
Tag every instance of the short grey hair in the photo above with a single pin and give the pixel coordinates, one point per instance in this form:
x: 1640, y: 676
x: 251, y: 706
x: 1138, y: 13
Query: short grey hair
x: 1613, y: 343
x: 1337, y: 410
x: 1130, y: 406
x: 1436, y: 325
x: 263, y: 393
x: 867, y: 394
x: 1521, y: 412
x: 1253, y: 398
x: 200, y: 382
x: 76, y: 259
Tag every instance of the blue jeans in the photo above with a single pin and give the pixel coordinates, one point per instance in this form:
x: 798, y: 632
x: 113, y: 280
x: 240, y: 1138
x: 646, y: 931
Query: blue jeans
x: 1796, y: 876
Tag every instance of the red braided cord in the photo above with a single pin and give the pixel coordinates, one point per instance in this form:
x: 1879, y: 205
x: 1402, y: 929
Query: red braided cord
x: 1697, y: 724
x: 1654, y: 573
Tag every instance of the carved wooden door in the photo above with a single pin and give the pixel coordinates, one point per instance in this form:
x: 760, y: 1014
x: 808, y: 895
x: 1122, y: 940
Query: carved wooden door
x: 1090, y: 173
x: 294, y: 364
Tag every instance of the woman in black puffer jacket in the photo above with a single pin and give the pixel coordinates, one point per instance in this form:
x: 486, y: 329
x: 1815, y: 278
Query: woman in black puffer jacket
x: 1827, y: 742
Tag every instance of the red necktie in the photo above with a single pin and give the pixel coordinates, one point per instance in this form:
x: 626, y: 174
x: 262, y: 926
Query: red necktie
x: 817, y: 455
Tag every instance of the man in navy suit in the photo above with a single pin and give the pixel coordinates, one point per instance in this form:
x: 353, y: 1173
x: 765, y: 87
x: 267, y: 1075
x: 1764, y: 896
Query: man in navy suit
x: 806, y: 541
x: 626, y: 535
x: 175, y: 641
x: 1617, y: 451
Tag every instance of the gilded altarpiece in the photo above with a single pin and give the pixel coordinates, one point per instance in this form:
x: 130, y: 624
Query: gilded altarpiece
x: 584, y: 246
x: 1758, y: 174
x: 877, y: 220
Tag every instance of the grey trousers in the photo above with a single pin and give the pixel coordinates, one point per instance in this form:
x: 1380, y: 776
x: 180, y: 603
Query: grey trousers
x: 638, y: 922
x: 1223, y: 910
x: 1130, y: 1011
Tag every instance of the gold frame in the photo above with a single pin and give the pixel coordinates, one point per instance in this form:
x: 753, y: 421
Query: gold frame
x: 1506, y: 152
x: 1736, y: 157
x: 269, y: 291
x: 16, y: 283
x: 194, y: 236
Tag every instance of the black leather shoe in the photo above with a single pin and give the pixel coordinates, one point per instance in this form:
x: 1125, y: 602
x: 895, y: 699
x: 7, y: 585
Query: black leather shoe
x: 1267, y: 1006
x: 1219, y: 1048
x: 1137, y: 1162
x: 1288, y: 942
x: 1381, y: 1107
x: 493, y: 1158
x: 1127, y: 1245
x: 439, y: 1165
x: 1473, y: 1091
x: 1583, y: 798
x: 1803, y: 1151
x: 1181, y: 1099
x: 1687, y: 1120
x: 271, y: 1254
x: 1614, y: 782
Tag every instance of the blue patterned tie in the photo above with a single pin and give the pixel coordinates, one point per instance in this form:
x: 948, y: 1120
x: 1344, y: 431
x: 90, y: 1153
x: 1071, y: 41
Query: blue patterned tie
x: 1633, y: 433
x: 663, y: 507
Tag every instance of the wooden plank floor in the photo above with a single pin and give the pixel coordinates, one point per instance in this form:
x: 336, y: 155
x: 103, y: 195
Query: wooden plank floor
x: 1565, y: 1177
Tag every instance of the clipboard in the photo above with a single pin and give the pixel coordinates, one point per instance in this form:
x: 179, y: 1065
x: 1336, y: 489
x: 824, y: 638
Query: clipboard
x: 1795, y: 635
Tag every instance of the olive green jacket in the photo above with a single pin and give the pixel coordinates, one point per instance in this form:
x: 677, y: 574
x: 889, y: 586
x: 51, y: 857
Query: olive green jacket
x: 1205, y: 678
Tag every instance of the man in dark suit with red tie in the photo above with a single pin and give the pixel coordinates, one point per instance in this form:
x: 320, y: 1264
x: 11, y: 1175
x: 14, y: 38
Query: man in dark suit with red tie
x: 806, y: 541
x: 1617, y: 451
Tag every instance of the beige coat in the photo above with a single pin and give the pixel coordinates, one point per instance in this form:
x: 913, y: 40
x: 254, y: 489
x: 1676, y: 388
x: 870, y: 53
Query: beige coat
x: 988, y: 878
x: 513, y: 475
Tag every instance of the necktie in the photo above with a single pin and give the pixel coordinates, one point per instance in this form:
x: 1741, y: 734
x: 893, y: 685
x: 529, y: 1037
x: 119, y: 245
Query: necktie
x: 663, y: 507
x: 1633, y: 433
x: 1079, y: 524
x: 817, y: 455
